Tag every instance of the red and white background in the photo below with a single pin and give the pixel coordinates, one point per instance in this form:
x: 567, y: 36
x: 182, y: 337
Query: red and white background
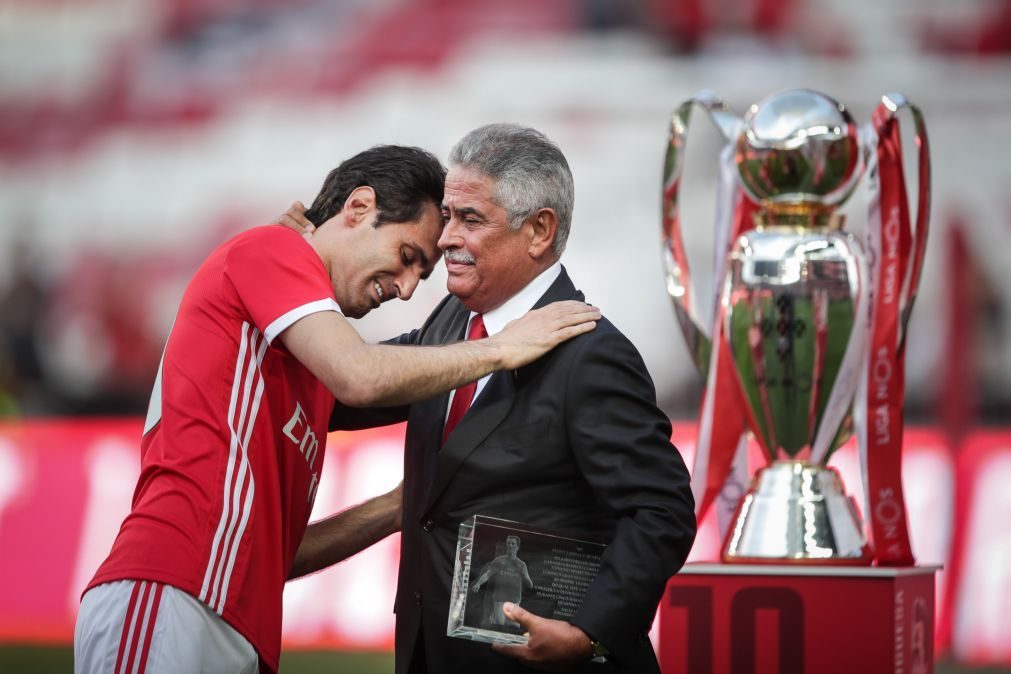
x: 137, y: 135
x: 66, y: 485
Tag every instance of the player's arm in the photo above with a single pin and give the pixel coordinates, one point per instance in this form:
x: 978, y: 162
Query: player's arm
x: 370, y: 376
x: 345, y: 418
x: 527, y: 582
x: 347, y: 533
x: 366, y: 375
x: 483, y: 578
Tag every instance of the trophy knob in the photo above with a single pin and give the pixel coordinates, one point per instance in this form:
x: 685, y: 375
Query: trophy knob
x: 799, y: 149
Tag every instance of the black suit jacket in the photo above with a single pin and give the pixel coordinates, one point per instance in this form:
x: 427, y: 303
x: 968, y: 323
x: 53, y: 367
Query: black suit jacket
x: 573, y: 442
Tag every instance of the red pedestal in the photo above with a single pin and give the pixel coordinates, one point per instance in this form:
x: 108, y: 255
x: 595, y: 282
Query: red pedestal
x: 751, y: 619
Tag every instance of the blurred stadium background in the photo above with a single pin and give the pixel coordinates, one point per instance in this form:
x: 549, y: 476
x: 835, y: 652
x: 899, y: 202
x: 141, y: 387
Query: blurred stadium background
x: 137, y: 135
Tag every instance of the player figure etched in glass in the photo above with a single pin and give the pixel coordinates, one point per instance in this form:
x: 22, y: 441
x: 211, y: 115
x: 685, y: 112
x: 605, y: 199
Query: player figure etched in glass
x: 507, y: 575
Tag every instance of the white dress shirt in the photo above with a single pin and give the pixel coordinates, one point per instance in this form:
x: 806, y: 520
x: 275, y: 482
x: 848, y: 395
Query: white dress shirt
x: 514, y: 307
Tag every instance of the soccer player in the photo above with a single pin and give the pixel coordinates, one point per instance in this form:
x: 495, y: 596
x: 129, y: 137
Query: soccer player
x: 508, y: 576
x: 235, y: 433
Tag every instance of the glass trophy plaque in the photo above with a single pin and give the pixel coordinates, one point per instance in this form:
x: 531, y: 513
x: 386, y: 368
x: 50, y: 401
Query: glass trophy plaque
x: 498, y: 561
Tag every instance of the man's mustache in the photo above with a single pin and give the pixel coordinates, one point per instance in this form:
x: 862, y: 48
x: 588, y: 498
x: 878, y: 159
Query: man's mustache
x: 459, y: 256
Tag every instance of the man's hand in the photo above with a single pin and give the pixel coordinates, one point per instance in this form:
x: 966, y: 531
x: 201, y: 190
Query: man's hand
x: 294, y: 218
x: 531, y: 336
x: 553, y: 645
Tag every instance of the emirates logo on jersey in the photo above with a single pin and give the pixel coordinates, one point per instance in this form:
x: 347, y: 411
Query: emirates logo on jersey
x: 301, y: 434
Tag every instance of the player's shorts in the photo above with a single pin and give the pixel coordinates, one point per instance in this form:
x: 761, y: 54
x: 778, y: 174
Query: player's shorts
x: 132, y: 627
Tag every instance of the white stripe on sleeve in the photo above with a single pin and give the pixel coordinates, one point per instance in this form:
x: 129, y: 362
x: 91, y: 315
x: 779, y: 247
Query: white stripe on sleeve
x: 283, y: 322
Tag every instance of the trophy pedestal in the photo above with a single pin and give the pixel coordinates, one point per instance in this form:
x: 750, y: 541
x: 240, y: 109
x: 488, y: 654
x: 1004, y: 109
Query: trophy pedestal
x: 729, y: 618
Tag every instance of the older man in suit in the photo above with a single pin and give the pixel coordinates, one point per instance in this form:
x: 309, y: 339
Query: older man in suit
x: 573, y: 442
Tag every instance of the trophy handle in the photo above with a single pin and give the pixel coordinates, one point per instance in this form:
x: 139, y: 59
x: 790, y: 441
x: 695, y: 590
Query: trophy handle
x: 696, y: 329
x: 894, y: 102
x: 837, y: 418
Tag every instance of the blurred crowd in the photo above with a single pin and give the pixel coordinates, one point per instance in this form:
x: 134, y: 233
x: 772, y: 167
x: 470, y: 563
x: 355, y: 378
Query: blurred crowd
x: 81, y: 342
x: 94, y: 93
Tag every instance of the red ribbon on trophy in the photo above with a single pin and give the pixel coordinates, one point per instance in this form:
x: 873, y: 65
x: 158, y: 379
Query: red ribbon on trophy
x: 896, y: 253
x: 720, y: 453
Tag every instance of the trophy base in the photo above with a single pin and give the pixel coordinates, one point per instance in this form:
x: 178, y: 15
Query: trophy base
x: 488, y: 636
x: 797, y: 513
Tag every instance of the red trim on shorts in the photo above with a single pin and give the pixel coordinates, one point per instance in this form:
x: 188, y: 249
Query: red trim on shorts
x: 126, y: 625
x: 150, y: 627
x: 145, y: 597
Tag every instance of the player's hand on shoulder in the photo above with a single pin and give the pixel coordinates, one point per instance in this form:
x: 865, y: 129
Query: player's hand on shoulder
x: 529, y: 337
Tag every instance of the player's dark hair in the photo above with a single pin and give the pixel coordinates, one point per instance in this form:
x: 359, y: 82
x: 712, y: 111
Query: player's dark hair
x: 405, y: 179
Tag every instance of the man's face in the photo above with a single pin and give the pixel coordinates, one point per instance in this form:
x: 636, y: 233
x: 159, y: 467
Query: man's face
x: 512, y: 546
x: 390, y: 261
x: 487, y: 262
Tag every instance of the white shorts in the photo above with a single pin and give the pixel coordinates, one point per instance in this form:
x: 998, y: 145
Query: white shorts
x: 131, y: 627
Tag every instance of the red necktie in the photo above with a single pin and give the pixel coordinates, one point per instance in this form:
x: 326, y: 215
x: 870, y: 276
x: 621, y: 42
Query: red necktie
x: 465, y: 394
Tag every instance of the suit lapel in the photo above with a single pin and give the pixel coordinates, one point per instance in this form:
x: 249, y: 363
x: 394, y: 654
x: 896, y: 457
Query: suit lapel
x: 488, y: 411
x: 432, y: 412
x: 483, y: 417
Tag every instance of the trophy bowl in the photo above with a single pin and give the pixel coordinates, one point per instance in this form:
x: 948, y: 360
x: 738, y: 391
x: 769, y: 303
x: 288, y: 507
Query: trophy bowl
x: 799, y: 148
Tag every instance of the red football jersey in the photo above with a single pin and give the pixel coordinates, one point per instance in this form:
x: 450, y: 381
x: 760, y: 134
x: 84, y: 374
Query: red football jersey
x: 234, y: 439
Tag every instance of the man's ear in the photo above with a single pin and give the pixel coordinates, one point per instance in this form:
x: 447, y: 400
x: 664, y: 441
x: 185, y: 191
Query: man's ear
x: 360, y: 206
x: 542, y: 228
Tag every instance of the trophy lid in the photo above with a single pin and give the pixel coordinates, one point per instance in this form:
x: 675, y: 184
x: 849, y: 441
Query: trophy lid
x: 799, y: 150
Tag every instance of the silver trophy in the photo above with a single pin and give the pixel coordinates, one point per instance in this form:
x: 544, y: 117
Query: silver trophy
x: 793, y: 296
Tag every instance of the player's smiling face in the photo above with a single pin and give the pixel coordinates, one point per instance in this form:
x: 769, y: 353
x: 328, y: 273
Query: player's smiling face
x: 389, y: 261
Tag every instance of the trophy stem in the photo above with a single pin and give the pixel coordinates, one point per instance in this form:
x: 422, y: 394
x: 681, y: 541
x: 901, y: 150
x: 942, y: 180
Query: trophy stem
x: 800, y: 217
x: 796, y: 512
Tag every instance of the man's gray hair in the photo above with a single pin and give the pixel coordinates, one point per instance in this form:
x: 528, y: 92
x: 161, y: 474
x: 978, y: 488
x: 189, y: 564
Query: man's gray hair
x: 529, y: 171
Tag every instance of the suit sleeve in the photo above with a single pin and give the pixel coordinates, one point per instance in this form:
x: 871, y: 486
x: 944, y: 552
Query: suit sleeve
x: 621, y: 441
